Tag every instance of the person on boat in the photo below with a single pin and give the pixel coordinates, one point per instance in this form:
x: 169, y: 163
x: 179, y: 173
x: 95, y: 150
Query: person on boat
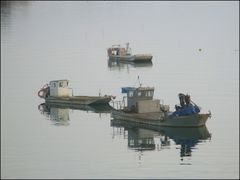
x: 181, y: 99
x: 187, y: 99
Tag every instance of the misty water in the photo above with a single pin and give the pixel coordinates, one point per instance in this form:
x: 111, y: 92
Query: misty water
x: 195, y: 48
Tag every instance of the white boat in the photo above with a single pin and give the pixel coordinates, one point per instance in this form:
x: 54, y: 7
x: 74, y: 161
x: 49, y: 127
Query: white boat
x: 117, y: 52
x: 58, y: 92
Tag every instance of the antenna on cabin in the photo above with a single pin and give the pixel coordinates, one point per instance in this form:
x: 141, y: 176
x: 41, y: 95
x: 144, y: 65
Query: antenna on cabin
x: 139, y: 81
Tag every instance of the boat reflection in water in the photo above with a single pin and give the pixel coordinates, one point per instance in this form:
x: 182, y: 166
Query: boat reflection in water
x: 119, y: 65
x: 144, y: 138
x: 59, y: 113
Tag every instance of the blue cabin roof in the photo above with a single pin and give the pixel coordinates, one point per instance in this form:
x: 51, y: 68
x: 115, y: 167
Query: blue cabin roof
x: 126, y: 89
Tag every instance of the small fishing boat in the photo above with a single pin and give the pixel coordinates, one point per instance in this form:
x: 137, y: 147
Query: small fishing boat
x: 142, y: 108
x: 117, y: 52
x: 58, y: 92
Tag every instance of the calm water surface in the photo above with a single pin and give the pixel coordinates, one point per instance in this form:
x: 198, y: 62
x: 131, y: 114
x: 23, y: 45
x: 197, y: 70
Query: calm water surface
x: 43, y: 41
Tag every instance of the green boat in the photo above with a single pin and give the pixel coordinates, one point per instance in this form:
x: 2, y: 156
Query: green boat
x: 143, y: 109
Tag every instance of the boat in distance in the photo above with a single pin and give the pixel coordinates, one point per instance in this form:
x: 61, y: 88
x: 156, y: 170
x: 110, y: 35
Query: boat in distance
x: 58, y: 92
x: 117, y: 52
x: 143, y: 109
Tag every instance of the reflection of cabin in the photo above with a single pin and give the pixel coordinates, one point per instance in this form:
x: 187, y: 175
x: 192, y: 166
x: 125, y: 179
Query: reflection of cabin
x: 141, y: 100
x: 141, y: 139
x: 59, y: 88
x: 60, y: 116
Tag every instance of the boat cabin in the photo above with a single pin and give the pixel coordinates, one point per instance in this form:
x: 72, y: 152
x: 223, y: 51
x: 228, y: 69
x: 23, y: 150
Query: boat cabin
x: 141, y: 100
x: 117, y: 50
x: 59, y: 88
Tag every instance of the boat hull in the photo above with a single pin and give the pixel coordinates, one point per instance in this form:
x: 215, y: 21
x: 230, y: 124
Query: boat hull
x: 122, y: 58
x: 161, y: 119
x: 142, y: 58
x: 132, y: 58
x: 79, y: 100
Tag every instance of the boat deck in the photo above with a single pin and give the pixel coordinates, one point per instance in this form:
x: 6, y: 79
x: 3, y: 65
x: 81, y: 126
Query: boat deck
x: 85, y: 100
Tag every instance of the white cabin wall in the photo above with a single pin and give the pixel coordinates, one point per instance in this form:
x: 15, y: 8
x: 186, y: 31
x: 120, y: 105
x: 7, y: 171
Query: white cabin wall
x: 147, y: 106
x: 63, y: 91
x: 57, y: 91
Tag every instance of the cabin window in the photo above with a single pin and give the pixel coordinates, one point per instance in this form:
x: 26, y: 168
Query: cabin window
x: 149, y: 93
x: 65, y: 84
x: 130, y: 94
x: 139, y: 93
x: 61, y: 84
x: 144, y: 93
x: 131, y: 142
x: 54, y: 84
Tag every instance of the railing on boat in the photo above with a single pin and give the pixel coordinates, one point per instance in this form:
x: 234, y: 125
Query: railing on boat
x: 119, y: 105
